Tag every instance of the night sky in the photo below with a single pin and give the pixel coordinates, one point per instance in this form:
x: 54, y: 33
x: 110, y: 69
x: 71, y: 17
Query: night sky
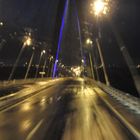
x: 126, y: 17
x: 44, y: 17
x: 41, y: 16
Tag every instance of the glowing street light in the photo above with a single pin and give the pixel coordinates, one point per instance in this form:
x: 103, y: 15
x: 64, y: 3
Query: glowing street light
x: 51, y: 58
x: 26, y: 42
x: 1, y: 23
x: 89, y: 41
x: 43, y: 70
x: 82, y: 61
x: 50, y: 67
x: 37, y: 68
x: 100, y: 7
x: 30, y: 63
x: 43, y: 52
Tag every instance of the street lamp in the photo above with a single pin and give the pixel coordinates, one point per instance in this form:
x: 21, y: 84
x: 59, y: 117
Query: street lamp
x: 89, y: 43
x: 44, y: 65
x: 27, y: 41
x: 1, y: 23
x: 2, y: 43
x: 43, y: 52
x: 100, y: 7
x: 37, y: 68
x: 30, y: 63
x: 50, y: 66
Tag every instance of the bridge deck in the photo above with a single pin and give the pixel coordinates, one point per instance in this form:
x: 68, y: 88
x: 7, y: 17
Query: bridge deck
x: 67, y: 109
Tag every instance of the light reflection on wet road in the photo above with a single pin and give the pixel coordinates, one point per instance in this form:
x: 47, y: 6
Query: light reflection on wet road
x: 70, y: 110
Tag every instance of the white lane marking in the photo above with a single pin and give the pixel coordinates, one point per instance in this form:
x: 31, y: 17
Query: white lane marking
x: 30, y: 135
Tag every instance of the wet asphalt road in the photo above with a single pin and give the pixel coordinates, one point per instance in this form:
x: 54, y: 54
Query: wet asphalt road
x: 69, y: 110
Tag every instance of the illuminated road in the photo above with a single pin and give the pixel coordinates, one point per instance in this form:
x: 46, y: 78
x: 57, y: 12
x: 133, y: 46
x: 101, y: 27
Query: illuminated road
x: 68, y: 110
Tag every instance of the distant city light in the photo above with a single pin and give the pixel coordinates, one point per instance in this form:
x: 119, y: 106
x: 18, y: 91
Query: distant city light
x: 76, y: 70
x: 82, y: 60
x: 1, y: 23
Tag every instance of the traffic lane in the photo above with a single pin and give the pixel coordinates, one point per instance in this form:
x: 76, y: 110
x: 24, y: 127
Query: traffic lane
x: 54, y: 124
x: 91, y: 119
x: 73, y: 112
x: 12, y: 89
x: 55, y: 120
x: 30, y: 90
x: 81, y: 114
x: 29, y: 115
x: 26, y: 116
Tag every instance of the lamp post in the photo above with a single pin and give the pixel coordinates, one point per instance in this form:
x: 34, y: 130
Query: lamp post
x: 41, y: 54
x: 30, y: 63
x: 102, y: 62
x: 44, y: 66
x: 27, y: 42
x: 89, y: 43
x: 2, y: 43
x: 50, y: 66
x: 102, y: 7
x: 99, y: 8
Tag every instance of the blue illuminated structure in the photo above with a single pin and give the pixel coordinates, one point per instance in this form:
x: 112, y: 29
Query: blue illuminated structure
x: 60, y: 37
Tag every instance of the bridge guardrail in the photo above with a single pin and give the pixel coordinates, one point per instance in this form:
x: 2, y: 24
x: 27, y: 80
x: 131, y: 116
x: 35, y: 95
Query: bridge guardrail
x: 25, y: 93
x: 20, y: 81
x: 124, y: 98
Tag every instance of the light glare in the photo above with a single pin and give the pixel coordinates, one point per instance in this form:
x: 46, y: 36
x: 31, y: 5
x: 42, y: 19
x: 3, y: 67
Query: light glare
x: 89, y: 41
x: 28, y: 41
x: 1, y: 24
x: 44, y: 51
x: 99, y: 7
